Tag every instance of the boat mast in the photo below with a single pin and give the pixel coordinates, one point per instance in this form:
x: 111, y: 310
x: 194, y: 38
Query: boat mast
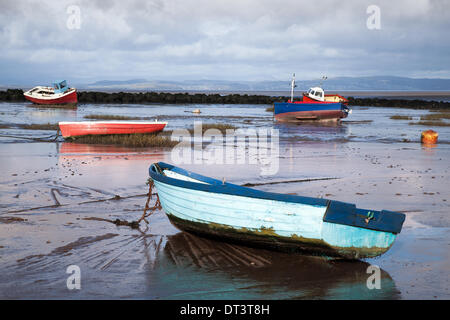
x: 292, y: 87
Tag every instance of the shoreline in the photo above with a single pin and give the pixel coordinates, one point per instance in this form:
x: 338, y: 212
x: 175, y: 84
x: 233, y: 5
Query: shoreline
x: 153, y: 97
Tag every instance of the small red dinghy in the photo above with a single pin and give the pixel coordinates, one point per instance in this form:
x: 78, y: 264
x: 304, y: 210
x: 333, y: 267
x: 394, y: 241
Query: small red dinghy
x: 82, y: 128
x: 60, y: 93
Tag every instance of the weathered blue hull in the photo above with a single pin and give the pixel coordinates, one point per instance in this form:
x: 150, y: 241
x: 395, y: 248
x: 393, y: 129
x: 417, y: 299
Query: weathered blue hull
x: 209, y: 207
x: 287, y: 111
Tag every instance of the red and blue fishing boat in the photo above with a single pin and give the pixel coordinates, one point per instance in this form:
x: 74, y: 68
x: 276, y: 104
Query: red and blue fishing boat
x: 58, y: 94
x: 314, y: 106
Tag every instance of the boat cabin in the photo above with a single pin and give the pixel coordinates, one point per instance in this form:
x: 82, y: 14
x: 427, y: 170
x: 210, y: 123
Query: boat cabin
x: 60, y: 86
x: 316, y: 93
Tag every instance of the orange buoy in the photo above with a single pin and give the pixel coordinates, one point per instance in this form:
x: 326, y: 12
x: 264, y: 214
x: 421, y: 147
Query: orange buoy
x: 429, y: 137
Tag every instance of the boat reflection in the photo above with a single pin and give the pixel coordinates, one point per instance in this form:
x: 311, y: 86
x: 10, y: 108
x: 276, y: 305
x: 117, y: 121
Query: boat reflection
x: 52, y: 113
x: 313, y: 131
x: 82, y: 148
x: 79, y: 151
x: 191, y: 267
x: 68, y: 106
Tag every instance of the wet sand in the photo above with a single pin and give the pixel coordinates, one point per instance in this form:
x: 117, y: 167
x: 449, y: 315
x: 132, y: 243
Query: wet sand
x: 56, y: 199
x: 55, y: 195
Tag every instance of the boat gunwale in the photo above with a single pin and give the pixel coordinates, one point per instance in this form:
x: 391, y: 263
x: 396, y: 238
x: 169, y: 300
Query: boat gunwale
x: 50, y: 96
x: 111, y: 122
x: 309, y: 102
x: 220, y: 187
x: 217, y: 186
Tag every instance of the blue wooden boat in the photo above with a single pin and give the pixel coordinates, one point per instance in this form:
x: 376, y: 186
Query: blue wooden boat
x: 214, y: 208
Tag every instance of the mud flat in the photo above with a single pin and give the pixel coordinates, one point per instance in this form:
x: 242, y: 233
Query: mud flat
x: 57, y: 201
x: 54, y: 199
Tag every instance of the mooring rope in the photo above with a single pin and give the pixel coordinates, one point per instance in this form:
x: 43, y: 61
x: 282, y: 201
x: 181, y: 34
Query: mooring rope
x: 148, y: 211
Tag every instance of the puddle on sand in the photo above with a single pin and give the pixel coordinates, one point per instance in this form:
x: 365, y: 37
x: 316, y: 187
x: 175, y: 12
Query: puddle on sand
x: 184, y: 266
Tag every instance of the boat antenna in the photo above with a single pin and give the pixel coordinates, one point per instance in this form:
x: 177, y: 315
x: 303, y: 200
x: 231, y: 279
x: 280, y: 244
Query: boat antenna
x: 323, y: 79
x: 293, y: 85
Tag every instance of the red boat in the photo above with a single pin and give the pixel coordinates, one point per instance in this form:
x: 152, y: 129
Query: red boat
x: 60, y: 93
x: 83, y: 128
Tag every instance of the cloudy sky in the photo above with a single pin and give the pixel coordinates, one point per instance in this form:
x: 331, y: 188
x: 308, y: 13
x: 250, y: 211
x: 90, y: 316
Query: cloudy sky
x: 221, y: 39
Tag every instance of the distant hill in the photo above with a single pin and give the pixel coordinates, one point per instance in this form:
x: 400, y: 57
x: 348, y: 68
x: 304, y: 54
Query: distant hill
x: 387, y: 83
x: 115, y: 82
x: 339, y: 83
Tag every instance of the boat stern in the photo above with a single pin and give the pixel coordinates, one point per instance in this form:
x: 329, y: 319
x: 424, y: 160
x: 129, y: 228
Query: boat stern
x: 360, y: 233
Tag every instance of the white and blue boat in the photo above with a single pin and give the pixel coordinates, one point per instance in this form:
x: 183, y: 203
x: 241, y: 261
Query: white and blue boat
x: 223, y: 210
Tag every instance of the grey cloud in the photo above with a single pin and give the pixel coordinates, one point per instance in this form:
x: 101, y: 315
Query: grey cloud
x: 246, y: 40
